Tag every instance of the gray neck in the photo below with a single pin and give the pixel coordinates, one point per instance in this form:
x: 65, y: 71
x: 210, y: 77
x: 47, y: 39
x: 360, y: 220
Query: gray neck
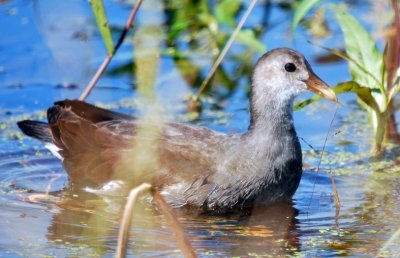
x: 271, y: 135
x: 266, y: 161
x: 276, y: 152
x: 274, y: 119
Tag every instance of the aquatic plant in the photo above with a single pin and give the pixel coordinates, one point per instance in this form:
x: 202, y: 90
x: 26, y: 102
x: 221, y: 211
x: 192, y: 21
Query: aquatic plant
x: 375, y: 74
x: 371, y: 69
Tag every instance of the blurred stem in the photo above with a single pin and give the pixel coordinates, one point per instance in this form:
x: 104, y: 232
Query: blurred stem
x: 388, y: 243
x: 139, y: 162
x: 146, y: 55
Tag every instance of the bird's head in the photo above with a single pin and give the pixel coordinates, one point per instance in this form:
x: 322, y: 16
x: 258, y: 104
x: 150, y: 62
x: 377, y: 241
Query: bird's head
x: 284, y: 74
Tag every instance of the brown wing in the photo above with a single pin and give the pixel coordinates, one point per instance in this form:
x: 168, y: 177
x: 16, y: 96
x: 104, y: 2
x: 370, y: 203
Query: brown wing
x: 88, y: 151
x: 190, y: 155
x: 164, y: 155
x: 94, y: 151
x: 189, y: 151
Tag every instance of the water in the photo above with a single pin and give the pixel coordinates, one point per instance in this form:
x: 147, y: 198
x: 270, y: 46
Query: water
x: 45, y: 58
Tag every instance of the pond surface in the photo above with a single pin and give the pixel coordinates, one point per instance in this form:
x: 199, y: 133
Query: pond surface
x: 51, y: 51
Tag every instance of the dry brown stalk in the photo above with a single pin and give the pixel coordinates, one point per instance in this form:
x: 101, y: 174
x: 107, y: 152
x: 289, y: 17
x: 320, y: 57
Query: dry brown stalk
x: 126, y: 220
x: 392, y: 62
x: 123, y: 235
x: 183, y: 241
x: 335, y: 194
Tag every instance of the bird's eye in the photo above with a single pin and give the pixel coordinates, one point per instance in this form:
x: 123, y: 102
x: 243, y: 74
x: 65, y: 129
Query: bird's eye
x: 290, y: 67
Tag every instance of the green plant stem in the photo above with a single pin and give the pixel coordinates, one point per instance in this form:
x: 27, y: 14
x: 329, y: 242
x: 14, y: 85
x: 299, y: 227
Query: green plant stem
x: 380, y: 131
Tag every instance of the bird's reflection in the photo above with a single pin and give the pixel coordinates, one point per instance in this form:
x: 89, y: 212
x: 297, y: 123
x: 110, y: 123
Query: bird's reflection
x: 261, y: 230
x: 84, y: 219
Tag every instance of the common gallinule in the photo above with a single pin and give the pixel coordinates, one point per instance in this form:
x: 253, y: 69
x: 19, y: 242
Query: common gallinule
x: 195, y: 166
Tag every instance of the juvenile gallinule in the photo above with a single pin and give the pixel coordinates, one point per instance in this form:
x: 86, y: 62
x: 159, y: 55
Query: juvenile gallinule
x: 196, y: 166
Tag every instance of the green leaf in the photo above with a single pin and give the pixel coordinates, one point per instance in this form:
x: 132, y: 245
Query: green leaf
x: 248, y: 38
x: 102, y: 24
x: 306, y: 102
x: 363, y: 93
x: 177, y: 27
x: 226, y: 10
x: 345, y: 56
x: 301, y: 9
x: 361, y: 47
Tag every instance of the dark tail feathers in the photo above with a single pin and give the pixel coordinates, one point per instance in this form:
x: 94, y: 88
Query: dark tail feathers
x: 41, y: 131
x: 35, y: 129
x: 86, y: 111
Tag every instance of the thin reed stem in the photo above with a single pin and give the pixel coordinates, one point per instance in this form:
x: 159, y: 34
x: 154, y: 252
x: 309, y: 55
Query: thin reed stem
x: 226, y: 48
x: 320, y: 161
x: 109, y: 57
x: 335, y: 194
x: 123, y: 236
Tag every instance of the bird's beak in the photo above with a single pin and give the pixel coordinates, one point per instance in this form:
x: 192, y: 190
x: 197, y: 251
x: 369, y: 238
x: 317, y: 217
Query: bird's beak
x: 316, y: 85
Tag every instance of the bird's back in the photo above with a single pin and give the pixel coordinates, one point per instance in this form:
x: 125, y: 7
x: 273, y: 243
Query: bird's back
x: 98, y: 146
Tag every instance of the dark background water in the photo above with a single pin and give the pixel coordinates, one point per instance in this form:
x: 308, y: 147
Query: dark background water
x: 50, y: 49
